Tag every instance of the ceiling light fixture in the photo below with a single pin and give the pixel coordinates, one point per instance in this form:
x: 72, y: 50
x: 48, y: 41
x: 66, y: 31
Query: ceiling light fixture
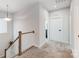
x: 7, y: 15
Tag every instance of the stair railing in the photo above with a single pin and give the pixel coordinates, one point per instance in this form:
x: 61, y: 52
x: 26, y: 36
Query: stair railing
x: 20, y: 44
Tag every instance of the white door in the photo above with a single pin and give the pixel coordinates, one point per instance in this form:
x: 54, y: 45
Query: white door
x: 55, y: 30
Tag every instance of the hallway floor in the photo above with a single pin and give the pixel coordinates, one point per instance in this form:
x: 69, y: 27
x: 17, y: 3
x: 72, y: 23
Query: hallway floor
x: 51, y: 49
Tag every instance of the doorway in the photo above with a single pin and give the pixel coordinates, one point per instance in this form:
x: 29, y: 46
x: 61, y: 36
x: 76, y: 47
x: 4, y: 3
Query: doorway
x: 56, y: 30
x: 58, y: 26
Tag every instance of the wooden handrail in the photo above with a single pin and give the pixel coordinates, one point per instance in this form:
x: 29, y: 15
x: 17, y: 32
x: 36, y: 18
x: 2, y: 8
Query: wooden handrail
x: 28, y: 32
x: 12, y: 43
x: 18, y: 38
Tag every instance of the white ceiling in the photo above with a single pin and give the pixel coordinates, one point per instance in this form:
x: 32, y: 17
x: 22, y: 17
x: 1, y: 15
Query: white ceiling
x: 16, y: 5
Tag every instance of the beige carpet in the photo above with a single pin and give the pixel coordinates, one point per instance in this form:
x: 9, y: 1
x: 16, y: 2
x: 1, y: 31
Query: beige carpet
x: 34, y: 52
x: 57, y: 49
x: 49, y: 50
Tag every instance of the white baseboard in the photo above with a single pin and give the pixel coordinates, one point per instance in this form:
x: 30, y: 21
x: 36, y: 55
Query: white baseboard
x: 75, y: 53
x: 42, y: 44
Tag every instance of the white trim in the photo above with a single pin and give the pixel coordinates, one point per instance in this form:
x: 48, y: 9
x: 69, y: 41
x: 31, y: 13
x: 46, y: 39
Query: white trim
x: 75, y: 53
x: 42, y: 43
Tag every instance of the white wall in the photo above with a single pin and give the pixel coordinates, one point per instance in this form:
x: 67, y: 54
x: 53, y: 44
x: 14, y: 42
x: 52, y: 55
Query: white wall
x: 43, y: 18
x: 63, y: 14
x: 6, y: 37
x: 25, y: 21
x: 28, y: 19
x: 75, y: 26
